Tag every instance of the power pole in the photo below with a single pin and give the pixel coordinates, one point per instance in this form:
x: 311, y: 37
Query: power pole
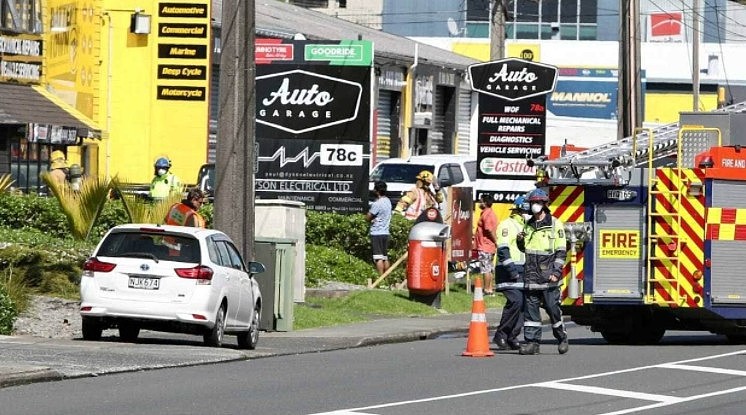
x: 629, y: 97
x: 497, y: 30
x: 696, y: 33
x: 234, y: 167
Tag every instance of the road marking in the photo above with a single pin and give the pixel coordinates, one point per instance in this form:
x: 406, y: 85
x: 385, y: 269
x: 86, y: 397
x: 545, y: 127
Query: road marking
x: 705, y: 369
x: 610, y: 392
x: 662, y: 400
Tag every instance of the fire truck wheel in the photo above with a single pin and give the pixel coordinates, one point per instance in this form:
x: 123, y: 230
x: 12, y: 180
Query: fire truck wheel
x: 615, y: 337
x: 648, y: 334
x: 736, y: 338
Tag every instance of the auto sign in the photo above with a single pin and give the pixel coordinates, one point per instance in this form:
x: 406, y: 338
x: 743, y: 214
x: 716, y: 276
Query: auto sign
x: 513, y: 79
x: 300, y: 101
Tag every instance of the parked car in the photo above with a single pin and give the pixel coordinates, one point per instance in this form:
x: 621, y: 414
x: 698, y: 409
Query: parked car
x: 399, y: 173
x: 171, y: 279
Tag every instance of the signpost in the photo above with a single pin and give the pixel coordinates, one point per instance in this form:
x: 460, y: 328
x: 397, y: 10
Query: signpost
x: 511, y: 121
x: 314, y: 122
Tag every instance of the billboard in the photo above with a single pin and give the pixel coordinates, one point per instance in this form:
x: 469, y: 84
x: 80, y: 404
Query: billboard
x: 587, y: 93
x: 313, y: 122
x: 511, y: 122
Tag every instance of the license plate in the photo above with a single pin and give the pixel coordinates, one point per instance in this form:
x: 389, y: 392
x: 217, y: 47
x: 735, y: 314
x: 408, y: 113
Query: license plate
x: 144, y: 283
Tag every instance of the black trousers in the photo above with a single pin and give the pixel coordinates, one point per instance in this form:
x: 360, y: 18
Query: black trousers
x: 550, y: 301
x: 511, y: 322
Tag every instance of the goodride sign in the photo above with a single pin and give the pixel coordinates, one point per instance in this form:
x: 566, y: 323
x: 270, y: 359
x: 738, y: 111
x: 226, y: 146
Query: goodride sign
x: 313, y: 122
x: 511, y: 122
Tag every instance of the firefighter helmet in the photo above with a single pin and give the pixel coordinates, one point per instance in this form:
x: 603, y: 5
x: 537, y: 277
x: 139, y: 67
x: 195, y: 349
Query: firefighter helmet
x: 57, y: 160
x: 426, y: 176
x: 520, y: 203
x: 163, y: 163
x: 538, y: 195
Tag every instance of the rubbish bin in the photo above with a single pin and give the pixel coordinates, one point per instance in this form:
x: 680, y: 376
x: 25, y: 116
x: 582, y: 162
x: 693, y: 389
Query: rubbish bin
x: 276, y: 282
x: 426, y: 263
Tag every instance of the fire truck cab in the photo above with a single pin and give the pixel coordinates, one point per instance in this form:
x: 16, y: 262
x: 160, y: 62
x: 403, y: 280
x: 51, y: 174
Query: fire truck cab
x: 656, y: 227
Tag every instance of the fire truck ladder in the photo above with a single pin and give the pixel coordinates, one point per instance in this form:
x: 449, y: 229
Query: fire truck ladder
x: 665, y: 241
x: 610, y: 164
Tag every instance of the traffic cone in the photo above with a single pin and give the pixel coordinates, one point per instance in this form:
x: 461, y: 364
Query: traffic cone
x: 478, y: 345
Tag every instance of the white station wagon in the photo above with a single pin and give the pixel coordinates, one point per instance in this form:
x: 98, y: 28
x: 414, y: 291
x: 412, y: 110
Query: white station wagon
x: 170, y: 279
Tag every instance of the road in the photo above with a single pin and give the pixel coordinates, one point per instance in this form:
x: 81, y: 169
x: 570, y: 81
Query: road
x: 687, y: 373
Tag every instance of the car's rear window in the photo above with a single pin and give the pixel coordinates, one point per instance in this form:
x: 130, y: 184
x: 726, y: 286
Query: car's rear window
x: 168, y: 247
x: 398, y: 173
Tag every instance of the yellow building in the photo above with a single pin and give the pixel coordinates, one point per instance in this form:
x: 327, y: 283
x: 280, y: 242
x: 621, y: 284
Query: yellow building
x: 133, y: 76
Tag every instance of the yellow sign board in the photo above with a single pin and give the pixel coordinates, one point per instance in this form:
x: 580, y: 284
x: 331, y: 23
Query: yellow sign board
x: 526, y: 51
x: 619, y: 244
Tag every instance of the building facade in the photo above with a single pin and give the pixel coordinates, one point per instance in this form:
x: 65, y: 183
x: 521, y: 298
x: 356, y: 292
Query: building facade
x: 121, y: 83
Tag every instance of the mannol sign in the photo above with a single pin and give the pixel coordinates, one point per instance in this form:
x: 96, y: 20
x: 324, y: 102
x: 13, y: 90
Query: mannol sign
x: 513, y: 79
x: 300, y: 101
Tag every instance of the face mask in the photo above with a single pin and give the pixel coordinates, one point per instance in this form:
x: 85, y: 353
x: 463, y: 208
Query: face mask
x: 161, y: 172
x: 536, y: 207
x: 526, y: 216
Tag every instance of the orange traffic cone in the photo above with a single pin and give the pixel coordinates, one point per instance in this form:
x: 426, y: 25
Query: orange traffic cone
x: 478, y: 345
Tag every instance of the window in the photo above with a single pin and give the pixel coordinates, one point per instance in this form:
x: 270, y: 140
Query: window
x: 224, y: 257
x: 21, y: 16
x: 136, y: 244
x: 451, y: 172
x: 235, y: 257
x: 552, y: 19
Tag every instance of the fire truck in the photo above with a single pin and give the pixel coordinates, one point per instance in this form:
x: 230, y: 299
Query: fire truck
x: 656, y: 228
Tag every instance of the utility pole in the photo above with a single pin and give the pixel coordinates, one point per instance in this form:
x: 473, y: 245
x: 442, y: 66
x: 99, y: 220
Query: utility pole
x: 234, y: 185
x: 497, y: 30
x: 628, y: 101
x: 696, y: 33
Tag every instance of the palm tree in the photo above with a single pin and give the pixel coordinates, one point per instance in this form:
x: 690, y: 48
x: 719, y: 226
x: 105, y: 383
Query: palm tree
x: 140, y: 210
x: 83, y: 207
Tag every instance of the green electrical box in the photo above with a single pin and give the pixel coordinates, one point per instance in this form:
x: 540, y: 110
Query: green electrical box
x: 276, y: 283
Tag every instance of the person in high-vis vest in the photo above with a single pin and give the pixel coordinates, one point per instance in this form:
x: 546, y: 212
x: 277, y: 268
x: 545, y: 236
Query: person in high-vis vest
x: 424, y: 195
x: 164, y: 182
x: 185, y: 212
x: 509, y: 275
x: 544, y: 243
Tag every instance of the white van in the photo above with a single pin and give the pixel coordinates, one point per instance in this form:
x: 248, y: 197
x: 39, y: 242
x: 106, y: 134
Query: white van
x: 400, y: 173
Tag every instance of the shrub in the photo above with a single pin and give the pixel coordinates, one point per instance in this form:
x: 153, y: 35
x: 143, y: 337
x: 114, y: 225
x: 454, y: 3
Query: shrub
x: 331, y: 264
x: 8, y: 311
x: 351, y: 234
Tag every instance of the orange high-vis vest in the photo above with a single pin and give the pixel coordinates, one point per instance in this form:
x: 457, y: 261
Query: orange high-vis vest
x: 183, y: 215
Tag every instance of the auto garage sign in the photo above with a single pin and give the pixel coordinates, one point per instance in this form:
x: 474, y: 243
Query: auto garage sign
x: 513, y: 79
x: 511, y: 121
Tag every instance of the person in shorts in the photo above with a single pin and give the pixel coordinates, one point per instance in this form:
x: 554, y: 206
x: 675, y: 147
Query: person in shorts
x: 379, y: 216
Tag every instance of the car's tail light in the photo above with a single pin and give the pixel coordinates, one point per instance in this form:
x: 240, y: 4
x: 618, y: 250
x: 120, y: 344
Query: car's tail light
x: 94, y: 265
x: 197, y: 273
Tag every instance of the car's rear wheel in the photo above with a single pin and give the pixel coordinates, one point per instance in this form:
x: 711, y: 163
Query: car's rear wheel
x: 128, y: 332
x: 249, y: 339
x: 214, y: 337
x: 91, y: 329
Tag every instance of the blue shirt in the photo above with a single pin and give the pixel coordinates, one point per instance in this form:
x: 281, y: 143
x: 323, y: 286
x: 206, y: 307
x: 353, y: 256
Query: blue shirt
x: 381, y: 211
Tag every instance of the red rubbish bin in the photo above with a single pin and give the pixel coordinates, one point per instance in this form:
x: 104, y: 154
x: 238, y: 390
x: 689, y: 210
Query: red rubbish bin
x: 426, y: 263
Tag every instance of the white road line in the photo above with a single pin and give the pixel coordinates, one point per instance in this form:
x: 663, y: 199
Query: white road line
x: 610, y: 392
x: 705, y: 369
x: 687, y: 399
x: 345, y: 413
x: 529, y: 385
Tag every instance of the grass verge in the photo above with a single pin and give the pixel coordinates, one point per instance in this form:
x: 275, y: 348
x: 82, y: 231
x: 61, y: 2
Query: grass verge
x: 373, y: 304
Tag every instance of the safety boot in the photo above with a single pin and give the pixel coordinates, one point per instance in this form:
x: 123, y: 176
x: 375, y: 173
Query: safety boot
x: 529, y: 348
x: 501, y: 343
x: 563, y: 347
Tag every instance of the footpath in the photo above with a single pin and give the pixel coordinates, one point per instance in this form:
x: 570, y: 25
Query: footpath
x: 25, y: 359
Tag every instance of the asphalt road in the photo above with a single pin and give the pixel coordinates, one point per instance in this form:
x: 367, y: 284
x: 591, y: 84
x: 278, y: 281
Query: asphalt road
x: 687, y: 373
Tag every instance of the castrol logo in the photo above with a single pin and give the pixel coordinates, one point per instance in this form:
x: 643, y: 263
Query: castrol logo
x: 492, y: 165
